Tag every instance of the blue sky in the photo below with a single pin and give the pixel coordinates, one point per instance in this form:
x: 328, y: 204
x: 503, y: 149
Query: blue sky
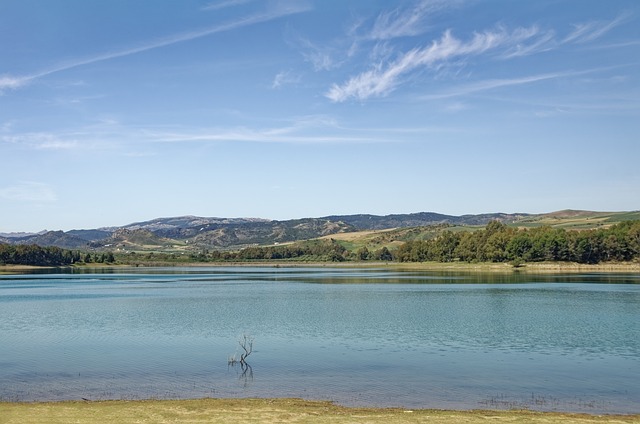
x: 119, y: 111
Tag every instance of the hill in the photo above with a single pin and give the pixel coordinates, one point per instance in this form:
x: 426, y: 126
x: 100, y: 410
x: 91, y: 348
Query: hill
x: 376, y: 222
x: 193, y: 233
x: 577, y: 219
x: 51, y: 238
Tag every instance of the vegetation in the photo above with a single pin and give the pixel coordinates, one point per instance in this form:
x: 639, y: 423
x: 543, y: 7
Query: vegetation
x: 269, y: 411
x: 36, y: 255
x: 499, y: 243
x: 496, y: 243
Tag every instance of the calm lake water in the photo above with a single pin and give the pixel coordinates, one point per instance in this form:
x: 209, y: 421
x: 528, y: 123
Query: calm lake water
x: 373, y: 337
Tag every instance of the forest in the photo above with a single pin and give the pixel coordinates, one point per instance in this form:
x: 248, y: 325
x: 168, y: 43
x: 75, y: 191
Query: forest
x: 500, y: 243
x: 37, y: 255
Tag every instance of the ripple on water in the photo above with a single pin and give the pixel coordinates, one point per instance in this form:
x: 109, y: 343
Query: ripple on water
x: 359, y: 337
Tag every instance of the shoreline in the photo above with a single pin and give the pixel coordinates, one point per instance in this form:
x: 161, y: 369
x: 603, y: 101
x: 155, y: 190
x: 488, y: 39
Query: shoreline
x: 481, y: 267
x: 264, y: 410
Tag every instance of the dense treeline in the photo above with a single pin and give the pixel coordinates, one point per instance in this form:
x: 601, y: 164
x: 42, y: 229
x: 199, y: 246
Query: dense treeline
x: 317, y: 250
x: 37, y: 255
x: 499, y: 243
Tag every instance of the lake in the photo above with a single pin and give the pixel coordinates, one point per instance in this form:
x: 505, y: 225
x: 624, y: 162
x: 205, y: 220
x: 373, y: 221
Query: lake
x: 360, y: 337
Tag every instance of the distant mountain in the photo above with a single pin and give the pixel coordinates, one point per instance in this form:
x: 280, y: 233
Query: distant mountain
x: 268, y: 232
x: 53, y: 238
x: 134, y: 239
x: 182, y: 222
x: 375, y: 222
x: 90, y: 235
x: 19, y: 235
x: 193, y: 232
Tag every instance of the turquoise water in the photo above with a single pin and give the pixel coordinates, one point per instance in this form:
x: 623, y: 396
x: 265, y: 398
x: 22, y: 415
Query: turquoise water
x: 355, y: 336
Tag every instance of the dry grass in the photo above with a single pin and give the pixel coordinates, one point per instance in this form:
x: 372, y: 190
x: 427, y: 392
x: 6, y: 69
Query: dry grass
x: 267, y: 411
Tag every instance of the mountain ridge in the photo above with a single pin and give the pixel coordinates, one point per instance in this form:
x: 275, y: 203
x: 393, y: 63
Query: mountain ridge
x: 191, y: 232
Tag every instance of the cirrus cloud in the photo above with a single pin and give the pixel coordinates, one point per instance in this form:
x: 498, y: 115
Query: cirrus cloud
x: 384, y: 78
x: 29, y: 191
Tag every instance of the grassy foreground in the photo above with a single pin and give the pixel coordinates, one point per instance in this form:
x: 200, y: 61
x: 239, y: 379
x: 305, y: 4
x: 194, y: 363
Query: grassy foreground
x: 268, y: 411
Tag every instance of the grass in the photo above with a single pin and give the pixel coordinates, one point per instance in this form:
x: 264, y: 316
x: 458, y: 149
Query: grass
x: 577, y: 220
x: 268, y: 411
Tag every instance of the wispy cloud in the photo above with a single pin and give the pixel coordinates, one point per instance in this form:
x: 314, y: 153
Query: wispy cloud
x: 280, y: 9
x: 240, y: 134
x: 8, y: 82
x: 403, y: 22
x: 542, y: 41
x: 593, y: 30
x: 321, y: 58
x: 284, y: 78
x: 29, y: 191
x: 40, y: 141
x: 505, y: 82
x: 6, y: 126
x: 303, y: 130
x: 223, y: 4
x: 128, y: 140
x: 384, y: 78
x: 100, y: 135
x: 407, y: 20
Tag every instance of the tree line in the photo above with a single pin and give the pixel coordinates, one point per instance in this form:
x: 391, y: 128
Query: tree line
x: 315, y: 250
x: 33, y: 254
x: 500, y: 243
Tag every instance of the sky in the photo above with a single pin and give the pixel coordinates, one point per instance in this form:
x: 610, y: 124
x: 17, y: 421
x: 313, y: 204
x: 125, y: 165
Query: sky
x: 113, y: 112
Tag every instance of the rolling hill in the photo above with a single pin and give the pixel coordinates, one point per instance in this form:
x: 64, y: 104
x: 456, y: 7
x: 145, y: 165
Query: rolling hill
x: 192, y: 233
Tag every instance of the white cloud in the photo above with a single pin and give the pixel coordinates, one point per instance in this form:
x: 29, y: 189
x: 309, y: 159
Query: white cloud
x: 542, y: 41
x: 405, y: 22
x: 322, y: 59
x: 8, y: 82
x: 6, y: 127
x: 284, y: 78
x: 279, y: 9
x: 504, y: 82
x: 223, y: 4
x: 269, y: 135
x: 382, y: 79
x: 40, y: 141
x: 29, y: 191
x: 310, y: 129
x: 593, y: 30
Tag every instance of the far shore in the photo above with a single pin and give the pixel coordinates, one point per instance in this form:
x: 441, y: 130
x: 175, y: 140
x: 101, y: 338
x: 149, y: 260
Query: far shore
x: 463, y: 267
x: 269, y: 411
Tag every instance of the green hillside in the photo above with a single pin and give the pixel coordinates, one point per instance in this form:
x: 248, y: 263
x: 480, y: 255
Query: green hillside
x: 577, y: 220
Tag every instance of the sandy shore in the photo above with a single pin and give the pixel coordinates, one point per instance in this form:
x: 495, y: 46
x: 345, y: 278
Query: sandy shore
x: 268, y: 411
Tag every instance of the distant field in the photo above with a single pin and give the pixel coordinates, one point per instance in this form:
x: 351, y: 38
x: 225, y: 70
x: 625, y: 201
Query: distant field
x: 577, y: 220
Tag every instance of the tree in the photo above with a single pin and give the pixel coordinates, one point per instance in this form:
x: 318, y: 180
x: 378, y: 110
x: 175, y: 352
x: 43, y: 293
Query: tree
x: 383, y: 254
x: 444, y: 247
x: 363, y: 254
x: 519, y: 247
